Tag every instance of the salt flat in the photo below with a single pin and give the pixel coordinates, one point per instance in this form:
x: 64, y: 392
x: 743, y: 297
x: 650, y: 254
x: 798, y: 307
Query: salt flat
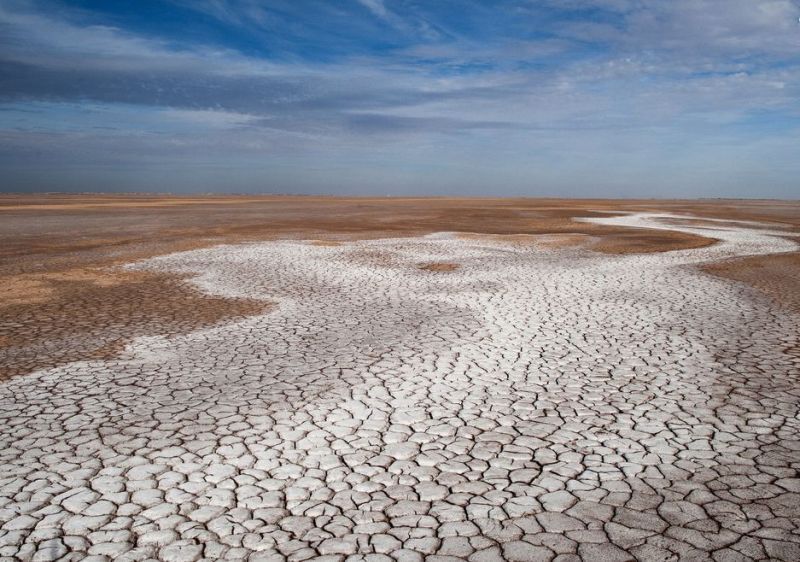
x: 536, y: 403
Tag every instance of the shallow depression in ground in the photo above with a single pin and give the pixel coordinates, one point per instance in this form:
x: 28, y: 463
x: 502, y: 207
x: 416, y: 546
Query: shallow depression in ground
x: 534, y: 403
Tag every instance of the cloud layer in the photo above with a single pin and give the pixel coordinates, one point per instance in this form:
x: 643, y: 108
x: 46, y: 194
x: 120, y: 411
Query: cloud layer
x: 568, y: 97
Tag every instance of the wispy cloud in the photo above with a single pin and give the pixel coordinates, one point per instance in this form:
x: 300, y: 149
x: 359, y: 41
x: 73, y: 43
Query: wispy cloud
x: 377, y: 7
x: 533, y: 91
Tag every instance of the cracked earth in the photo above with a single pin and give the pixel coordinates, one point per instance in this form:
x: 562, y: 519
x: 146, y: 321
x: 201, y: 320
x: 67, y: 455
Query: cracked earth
x: 525, y: 402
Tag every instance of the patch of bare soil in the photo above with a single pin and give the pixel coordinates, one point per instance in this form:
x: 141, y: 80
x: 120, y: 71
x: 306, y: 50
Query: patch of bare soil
x: 60, y: 301
x: 645, y: 242
x: 438, y: 267
x: 565, y: 240
x: 71, y: 316
x: 561, y: 240
x: 329, y: 243
x: 776, y: 276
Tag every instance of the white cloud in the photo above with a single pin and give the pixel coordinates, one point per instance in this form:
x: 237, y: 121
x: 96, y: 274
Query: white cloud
x: 702, y: 27
x: 210, y: 118
x: 377, y: 7
x: 32, y: 38
x: 671, y: 76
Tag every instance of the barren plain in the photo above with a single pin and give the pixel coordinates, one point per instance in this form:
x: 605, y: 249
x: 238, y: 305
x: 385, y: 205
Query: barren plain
x: 296, y: 378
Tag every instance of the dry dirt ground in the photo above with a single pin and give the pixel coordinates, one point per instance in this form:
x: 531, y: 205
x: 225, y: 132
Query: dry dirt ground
x: 474, y: 379
x: 57, y: 254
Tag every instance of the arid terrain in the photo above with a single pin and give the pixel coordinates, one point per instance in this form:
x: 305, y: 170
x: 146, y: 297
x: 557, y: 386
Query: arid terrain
x: 64, y: 299
x: 293, y: 378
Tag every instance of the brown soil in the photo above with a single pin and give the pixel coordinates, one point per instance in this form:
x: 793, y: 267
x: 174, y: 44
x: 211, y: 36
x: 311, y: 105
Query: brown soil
x: 776, y: 276
x: 540, y: 240
x: 331, y: 243
x: 92, y: 318
x: 438, y: 267
x: 62, y: 300
x: 643, y: 241
x: 561, y: 240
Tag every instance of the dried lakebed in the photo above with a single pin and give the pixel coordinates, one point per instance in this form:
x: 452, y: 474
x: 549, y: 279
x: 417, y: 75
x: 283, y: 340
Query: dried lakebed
x: 532, y: 404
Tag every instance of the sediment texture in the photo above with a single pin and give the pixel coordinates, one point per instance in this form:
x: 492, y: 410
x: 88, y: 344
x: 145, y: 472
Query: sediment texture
x: 530, y: 404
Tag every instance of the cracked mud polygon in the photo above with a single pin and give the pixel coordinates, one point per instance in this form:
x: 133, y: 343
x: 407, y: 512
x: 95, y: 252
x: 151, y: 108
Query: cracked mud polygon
x: 440, y: 395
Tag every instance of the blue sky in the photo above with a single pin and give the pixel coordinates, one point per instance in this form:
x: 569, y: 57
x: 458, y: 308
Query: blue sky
x: 650, y: 98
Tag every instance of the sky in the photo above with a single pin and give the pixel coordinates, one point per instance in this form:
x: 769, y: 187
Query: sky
x: 573, y: 98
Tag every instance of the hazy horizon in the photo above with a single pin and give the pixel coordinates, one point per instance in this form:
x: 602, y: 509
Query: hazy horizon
x: 570, y: 98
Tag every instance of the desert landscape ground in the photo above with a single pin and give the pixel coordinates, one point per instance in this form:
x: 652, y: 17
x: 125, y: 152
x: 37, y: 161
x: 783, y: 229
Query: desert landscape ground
x: 296, y: 378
